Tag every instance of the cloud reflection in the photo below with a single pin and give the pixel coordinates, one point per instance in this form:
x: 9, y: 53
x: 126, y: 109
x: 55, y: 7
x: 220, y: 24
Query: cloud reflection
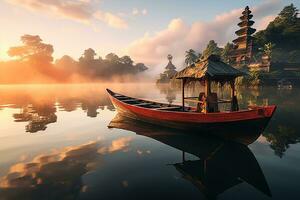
x: 120, y: 144
x: 59, y: 172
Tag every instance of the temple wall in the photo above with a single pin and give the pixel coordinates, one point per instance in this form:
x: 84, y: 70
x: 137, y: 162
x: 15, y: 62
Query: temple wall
x: 242, y: 46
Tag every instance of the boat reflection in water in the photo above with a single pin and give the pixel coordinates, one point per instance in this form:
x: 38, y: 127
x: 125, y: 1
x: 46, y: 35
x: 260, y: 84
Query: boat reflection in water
x: 220, y: 164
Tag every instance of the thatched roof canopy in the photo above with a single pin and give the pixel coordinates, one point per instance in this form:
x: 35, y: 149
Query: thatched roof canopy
x: 210, y: 68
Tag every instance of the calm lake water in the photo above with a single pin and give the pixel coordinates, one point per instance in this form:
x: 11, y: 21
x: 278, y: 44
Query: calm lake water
x: 67, y: 142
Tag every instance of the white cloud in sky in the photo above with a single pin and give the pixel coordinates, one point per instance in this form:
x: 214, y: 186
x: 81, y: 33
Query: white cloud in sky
x: 136, y: 11
x: 111, y: 20
x: 78, y: 10
x: 179, y: 36
x: 144, y: 12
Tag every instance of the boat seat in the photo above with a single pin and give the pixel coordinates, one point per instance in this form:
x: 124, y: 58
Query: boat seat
x: 122, y: 98
x: 129, y: 100
x: 166, y: 108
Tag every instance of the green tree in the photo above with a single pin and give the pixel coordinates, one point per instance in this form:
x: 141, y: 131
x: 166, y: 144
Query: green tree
x: 283, y: 31
x: 113, y: 58
x: 67, y: 63
x: 33, y: 50
x: 140, y: 67
x: 226, y: 52
x: 126, y: 60
x: 89, y: 54
x: 190, y: 57
x: 211, y: 48
x: 268, y: 49
x: 287, y: 15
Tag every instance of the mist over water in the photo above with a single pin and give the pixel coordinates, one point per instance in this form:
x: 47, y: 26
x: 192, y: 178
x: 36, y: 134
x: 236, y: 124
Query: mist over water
x: 55, y: 143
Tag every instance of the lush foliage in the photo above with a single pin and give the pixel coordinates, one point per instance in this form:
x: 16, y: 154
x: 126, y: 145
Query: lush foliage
x: 190, y: 57
x: 284, y: 33
x: 112, y: 65
x: 211, y: 48
x: 251, y: 80
x: 226, y: 52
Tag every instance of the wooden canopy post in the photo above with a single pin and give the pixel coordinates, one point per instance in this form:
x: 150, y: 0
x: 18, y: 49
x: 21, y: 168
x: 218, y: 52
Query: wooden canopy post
x: 234, y: 101
x: 207, y: 92
x: 207, y: 87
x: 232, y: 85
x: 182, y: 85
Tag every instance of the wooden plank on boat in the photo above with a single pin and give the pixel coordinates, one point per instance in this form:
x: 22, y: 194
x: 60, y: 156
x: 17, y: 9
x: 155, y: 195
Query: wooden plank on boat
x: 142, y: 104
x: 190, y: 97
x: 193, y: 100
x: 166, y: 108
x: 224, y: 101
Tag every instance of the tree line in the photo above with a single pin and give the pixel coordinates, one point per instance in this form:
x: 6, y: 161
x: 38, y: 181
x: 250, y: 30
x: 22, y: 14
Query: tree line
x: 33, y: 62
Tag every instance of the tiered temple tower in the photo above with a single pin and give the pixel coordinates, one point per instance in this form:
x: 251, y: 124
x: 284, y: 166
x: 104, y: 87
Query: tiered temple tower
x: 242, y: 53
x: 170, y: 68
x: 169, y: 72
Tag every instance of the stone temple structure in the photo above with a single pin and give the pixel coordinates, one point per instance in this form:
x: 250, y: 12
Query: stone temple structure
x: 170, y: 71
x: 242, y: 53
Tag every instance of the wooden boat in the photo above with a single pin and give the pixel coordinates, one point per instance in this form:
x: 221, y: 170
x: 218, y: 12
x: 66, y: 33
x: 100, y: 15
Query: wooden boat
x: 206, y: 117
x: 254, y: 119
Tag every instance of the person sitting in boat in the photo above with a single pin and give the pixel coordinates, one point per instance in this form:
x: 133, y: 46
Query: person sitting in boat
x: 200, y: 105
x: 209, y: 103
x: 212, y: 102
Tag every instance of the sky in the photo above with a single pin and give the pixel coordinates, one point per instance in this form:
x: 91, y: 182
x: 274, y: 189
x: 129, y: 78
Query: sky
x: 146, y: 30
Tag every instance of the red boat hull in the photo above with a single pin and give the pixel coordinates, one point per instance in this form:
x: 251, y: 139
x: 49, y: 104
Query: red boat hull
x: 254, y: 119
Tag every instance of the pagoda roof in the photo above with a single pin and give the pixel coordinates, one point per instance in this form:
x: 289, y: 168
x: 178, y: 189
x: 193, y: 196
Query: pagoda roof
x: 170, y: 66
x: 246, y: 23
x: 211, y: 67
x: 246, y: 30
x: 243, y: 39
x: 246, y: 11
x: 246, y: 17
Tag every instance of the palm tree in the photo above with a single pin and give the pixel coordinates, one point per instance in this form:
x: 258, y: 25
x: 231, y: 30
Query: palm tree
x: 190, y: 57
x: 268, y: 49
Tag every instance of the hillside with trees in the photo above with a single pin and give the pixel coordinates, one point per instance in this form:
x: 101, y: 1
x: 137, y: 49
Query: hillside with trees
x: 284, y: 33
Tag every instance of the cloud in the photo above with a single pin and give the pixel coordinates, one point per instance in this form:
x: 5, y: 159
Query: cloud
x: 111, y: 20
x: 120, y: 144
x: 136, y: 12
x: 78, y: 10
x: 263, y: 23
x: 180, y: 36
x: 144, y: 12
